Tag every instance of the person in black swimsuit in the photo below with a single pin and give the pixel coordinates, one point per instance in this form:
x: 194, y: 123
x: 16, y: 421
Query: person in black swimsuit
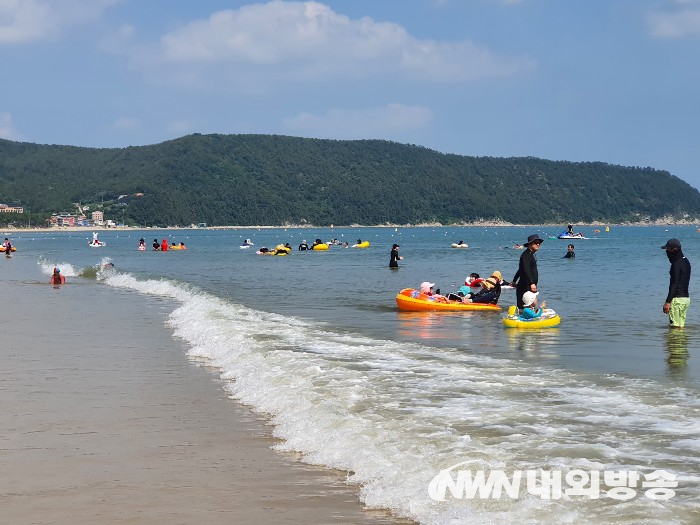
x: 527, y: 277
x: 395, y: 257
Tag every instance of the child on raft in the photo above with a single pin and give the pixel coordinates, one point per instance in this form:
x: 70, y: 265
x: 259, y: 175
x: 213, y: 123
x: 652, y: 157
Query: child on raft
x: 427, y: 288
x: 530, y: 309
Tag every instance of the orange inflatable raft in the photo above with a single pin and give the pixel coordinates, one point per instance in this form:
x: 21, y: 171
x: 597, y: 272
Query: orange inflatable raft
x: 412, y: 300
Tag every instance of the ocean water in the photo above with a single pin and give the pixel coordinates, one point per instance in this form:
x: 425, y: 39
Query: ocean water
x: 314, y: 341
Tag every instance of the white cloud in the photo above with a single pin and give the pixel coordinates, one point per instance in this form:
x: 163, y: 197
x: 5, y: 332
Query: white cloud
x: 29, y: 20
x: 180, y: 126
x: 445, y: 3
x: 308, y: 41
x: 377, y: 121
x: 7, y: 128
x: 678, y: 24
x: 126, y: 123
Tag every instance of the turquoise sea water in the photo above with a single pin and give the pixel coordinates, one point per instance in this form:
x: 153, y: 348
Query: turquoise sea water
x: 315, y: 341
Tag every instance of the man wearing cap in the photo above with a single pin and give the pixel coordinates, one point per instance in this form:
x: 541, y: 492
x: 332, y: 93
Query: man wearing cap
x: 678, y: 298
x: 395, y: 258
x: 526, y: 277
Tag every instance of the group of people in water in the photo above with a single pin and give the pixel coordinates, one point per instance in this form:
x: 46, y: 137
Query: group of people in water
x: 333, y: 242
x: 474, y: 290
x: 162, y: 246
x: 488, y: 290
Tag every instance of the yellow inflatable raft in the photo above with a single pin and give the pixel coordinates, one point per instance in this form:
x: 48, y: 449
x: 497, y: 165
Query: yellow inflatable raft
x: 363, y: 244
x: 549, y: 319
x: 2, y: 249
x: 320, y: 247
x: 411, y: 299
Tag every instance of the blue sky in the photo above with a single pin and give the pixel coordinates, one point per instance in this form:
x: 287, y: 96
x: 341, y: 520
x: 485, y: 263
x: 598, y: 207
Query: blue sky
x: 616, y: 81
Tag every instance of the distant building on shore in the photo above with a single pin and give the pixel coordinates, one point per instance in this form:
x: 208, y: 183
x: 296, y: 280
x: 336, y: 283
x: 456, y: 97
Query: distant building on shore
x: 63, y: 218
x: 4, y: 208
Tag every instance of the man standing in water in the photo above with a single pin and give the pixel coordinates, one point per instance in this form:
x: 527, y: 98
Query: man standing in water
x: 526, y: 277
x: 678, y: 298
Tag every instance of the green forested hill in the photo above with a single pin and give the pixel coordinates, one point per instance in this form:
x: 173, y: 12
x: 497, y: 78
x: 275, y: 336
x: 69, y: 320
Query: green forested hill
x: 272, y: 180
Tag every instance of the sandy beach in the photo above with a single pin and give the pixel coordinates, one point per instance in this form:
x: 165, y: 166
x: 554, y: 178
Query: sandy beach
x: 664, y: 221
x: 109, y: 422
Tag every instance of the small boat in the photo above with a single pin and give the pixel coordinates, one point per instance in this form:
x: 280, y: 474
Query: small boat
x: 460, y: 244
x: 246, y: 244
x: 549, y: 319
x: 413, y: 300
x: 96, y: 244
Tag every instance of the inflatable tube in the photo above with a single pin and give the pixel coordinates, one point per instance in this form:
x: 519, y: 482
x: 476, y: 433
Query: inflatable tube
x: 13, y: 249
x: 363, y: 244
x: 320, y: 247
x: 412, y: 300
x: 549, y: 319
x: 142, y: 248
x: 457, y: 245
x: 177, y: 247
x: 274, y: 252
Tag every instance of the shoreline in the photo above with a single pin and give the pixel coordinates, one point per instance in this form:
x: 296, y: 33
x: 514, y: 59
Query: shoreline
x: 102, y: 424
x: 90, y: 229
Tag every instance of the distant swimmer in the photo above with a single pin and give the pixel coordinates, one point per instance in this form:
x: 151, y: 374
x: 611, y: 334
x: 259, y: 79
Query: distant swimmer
x: 56, y: 277
x: 156, y: 244
x: 394, y: 258
x: 303, y: 246
x: 570, y: 252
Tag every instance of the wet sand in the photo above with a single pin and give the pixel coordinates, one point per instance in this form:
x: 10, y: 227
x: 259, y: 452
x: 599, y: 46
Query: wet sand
x: 105, y: 420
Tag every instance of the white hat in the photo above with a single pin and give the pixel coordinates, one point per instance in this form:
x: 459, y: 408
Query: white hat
x: 529, y: 298
x: 426, y: 286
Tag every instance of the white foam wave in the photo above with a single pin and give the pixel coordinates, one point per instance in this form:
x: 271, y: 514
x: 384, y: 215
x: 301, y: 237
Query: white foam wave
x: 393, y: 414
x: 67, y: 269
